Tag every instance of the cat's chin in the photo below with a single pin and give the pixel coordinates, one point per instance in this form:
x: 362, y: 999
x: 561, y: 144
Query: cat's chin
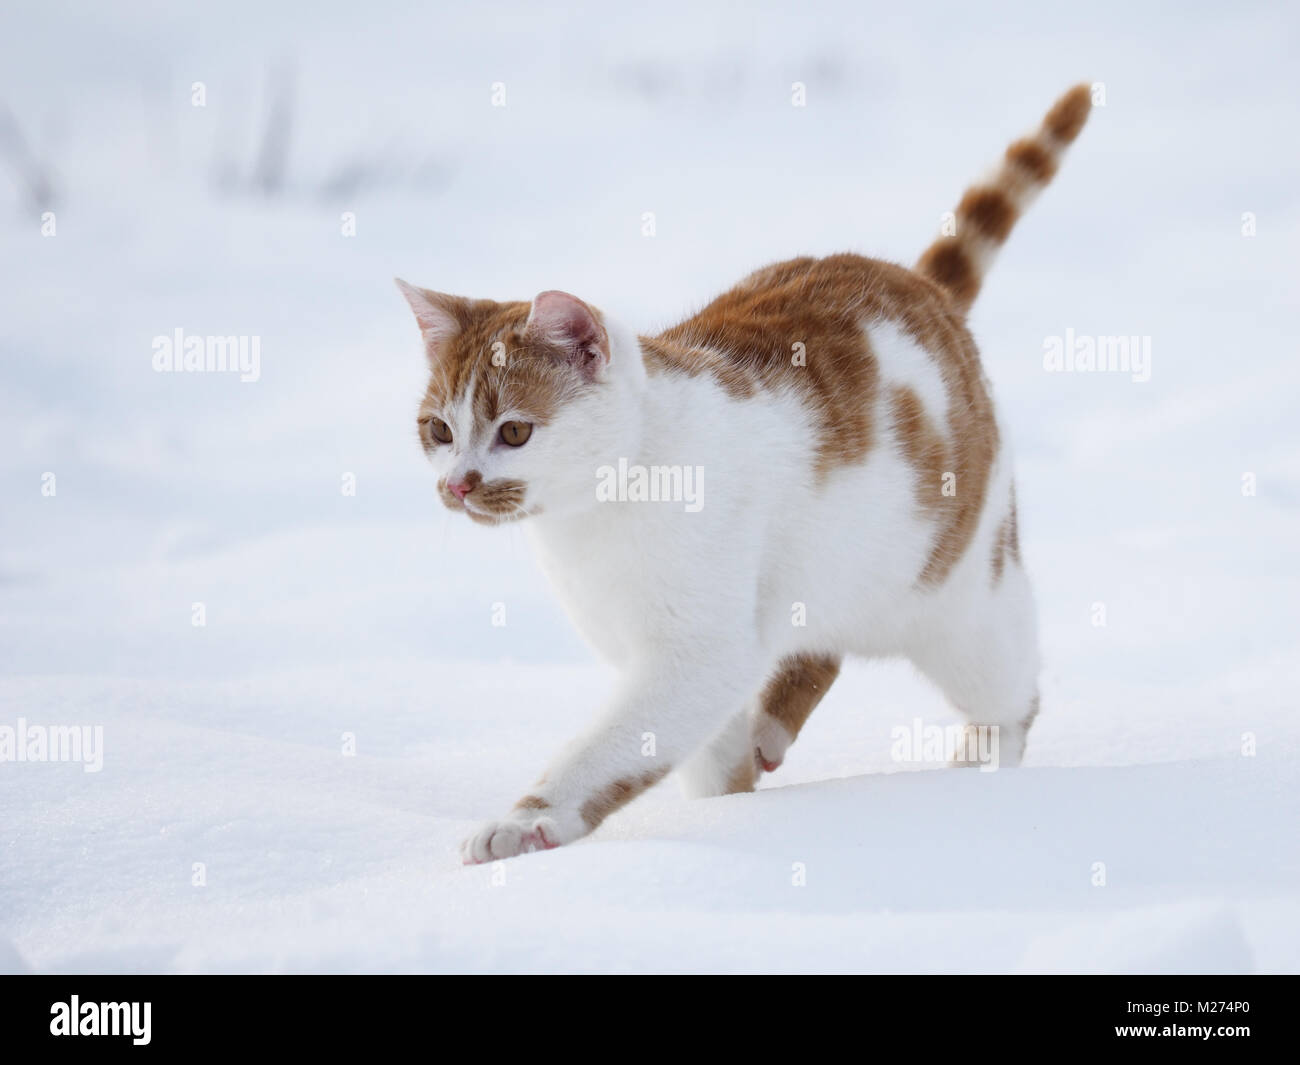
x: 483, y: 517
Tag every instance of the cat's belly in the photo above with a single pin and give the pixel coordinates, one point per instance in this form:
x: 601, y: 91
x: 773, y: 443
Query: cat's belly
x: 840, y: 570
x: 828, y: 566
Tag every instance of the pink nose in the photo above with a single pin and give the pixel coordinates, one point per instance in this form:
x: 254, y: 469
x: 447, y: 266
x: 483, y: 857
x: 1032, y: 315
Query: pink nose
x: 460, y: 490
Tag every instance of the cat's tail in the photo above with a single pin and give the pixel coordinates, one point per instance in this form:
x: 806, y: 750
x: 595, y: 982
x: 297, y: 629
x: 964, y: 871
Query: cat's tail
x: 959, y: 260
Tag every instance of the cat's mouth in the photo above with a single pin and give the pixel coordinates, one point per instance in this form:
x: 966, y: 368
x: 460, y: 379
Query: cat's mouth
x: 494, y: 517
x: 488, y: 503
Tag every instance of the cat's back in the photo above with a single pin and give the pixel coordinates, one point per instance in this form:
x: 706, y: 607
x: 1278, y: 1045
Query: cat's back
x: 820, y: 303
x: 843, y: 333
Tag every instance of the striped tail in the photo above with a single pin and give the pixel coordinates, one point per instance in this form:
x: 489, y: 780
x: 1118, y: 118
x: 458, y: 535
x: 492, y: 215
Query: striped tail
x: 989, y: 209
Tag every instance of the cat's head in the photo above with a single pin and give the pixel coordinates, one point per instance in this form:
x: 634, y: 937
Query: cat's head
x: 525, y: 401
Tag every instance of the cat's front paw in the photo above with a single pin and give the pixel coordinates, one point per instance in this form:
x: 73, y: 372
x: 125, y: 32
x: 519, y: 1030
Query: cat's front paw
x: 504, y: 839
x: 771, y: 741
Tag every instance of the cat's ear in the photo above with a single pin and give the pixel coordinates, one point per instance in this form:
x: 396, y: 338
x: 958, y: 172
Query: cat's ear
x: 573, y: 327
x: 435, y: 313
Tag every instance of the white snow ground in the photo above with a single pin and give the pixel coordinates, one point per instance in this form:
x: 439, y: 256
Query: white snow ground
x: 371, y: 615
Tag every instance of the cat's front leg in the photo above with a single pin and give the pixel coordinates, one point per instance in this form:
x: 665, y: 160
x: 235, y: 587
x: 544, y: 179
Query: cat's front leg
x: 664, y: 712
x: 524, y: 831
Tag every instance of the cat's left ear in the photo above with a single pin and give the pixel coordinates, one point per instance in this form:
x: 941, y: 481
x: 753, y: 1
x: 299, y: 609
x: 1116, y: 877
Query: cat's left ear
x: 435, y: 313
x: 575, y: 328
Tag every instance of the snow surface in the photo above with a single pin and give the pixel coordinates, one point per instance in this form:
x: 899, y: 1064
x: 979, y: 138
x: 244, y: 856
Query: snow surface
x: 371, y: 615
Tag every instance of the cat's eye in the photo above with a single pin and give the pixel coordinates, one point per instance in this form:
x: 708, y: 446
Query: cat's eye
x: 440, y: 430
x: 516, y: 434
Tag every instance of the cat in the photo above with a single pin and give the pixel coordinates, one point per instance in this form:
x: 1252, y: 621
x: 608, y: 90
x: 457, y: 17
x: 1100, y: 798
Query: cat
x: 859, y: 499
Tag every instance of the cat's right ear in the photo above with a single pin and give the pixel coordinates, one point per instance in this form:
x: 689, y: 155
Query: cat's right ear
x: 434, y: 312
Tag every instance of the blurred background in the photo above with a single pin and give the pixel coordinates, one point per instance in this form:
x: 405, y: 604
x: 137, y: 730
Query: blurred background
x: 250, y: 170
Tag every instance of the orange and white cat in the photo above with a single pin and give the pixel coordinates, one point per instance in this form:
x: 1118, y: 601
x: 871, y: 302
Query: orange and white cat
x: 859, y: 499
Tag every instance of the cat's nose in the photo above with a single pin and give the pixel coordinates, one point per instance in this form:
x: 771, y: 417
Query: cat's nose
x: 460, y: 489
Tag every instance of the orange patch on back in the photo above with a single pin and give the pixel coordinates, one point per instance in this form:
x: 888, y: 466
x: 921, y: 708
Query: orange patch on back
x: 797, y: 327
x: 961, y: 461
x: 802, y: 326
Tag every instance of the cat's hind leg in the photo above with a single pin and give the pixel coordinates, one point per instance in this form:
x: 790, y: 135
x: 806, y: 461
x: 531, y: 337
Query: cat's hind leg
x: 983, y: 653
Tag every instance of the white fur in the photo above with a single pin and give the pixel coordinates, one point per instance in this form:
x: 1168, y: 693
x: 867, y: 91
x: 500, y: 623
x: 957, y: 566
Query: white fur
x: 695, y: 609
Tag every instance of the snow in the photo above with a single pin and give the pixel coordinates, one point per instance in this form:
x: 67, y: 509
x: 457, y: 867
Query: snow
x: 1167, y: 745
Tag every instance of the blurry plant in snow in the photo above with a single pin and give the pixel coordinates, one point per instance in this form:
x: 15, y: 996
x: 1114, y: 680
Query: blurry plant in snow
x: 270, y: 174
x: 31, y: 174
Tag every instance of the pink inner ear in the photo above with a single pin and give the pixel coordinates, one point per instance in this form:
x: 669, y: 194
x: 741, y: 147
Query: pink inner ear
x: 566, y: 320
x: 437, y: 323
